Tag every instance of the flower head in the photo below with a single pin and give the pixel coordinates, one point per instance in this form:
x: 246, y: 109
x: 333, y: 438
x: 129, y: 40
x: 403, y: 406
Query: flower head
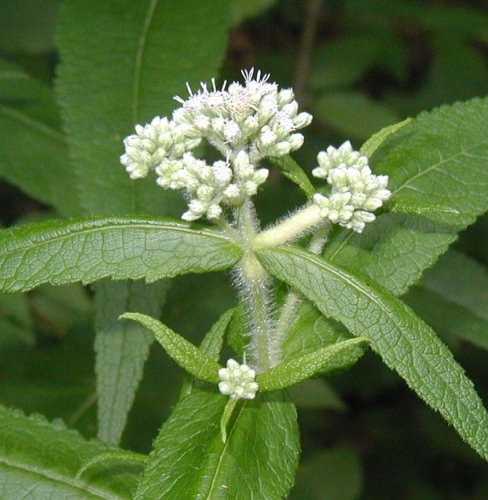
x: 244, y: 122
x: 238, y: 381
x: 356, y: 191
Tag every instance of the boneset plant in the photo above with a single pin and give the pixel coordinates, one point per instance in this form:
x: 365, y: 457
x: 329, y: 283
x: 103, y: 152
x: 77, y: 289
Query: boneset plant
x: 315, y: 290
x: 234, y: 433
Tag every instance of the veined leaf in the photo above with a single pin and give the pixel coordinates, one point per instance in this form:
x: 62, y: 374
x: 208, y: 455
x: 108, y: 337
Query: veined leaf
x: 376, y: 140
x: 405, y: 343
x: 120, y: 67
x: 33, y: 153
x: 439, y: 158
x: 86, y: 250
x: 39, y: 459
x: 321, y: 361
x: 453, y: 298
x: 122, y: 348
x: 258, y: 460
x: 211, y: 345
x: 292, y: 171
x: 184, y: 353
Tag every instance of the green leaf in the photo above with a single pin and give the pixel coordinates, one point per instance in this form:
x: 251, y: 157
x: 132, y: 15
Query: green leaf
x: 214, y: 340
x: 33, y: 154
x: 39, y: 459
x: 258, y: 460
x: 439, y: 158
x: 121, y: 456
x: 452, y: 297
x: 456, y: 21
x: 122, y: 349
x: 244, y: 9
x: 309, y: 332
x: 292, y: 171
x: 86, y: 250
x: 184, y: 353
x: 322, y: 361
x: 121, y: 66
x: 15, y: 320
x: 343, y: 62
x: 405, y: 343
x: 16, y: 29
x: 211, y: 345
x: 376, y: 140
x: 406, y: 206
x: 353, y: 114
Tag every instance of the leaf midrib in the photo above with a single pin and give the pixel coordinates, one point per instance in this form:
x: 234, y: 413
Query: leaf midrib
x: 58, y: 478
x: 32, y: 245
x: 436, y: 165
x: 30, y: 122
x: 224, y: 451
x: 359, y: 288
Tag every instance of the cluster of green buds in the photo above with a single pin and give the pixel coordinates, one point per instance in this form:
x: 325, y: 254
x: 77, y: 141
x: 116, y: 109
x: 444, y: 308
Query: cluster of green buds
x: 245, y: 123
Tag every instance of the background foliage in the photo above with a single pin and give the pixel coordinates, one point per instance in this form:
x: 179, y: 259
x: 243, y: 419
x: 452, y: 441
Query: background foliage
x: 369, y: 64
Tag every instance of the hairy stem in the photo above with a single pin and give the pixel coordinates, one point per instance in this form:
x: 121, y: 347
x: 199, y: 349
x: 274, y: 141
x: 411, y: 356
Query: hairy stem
x: 293, y: 227
x: 253, y: 284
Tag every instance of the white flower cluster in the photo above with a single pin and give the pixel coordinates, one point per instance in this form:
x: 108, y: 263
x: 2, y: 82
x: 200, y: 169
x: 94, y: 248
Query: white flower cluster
x: 238, y: 381
x: 356, y: 192
x: 245, y: 123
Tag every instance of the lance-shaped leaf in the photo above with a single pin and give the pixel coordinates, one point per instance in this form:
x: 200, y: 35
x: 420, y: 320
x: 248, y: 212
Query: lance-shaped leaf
x: 87, y: 250
x: 322, y: 361
x: 211, y: 345
x: 438, y: 158
x: 122, y: 348
x: 39, y: 459
x: 33, y: 153
x: 405, y: 343
x: 184, y: 353
x: 149, y: 49
x: 452, y: 297
x: 258, y: 459
x: 292, y: 171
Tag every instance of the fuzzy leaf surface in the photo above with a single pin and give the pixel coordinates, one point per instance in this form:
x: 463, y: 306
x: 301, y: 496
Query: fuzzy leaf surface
x: 184, y: 353
x: 404, y: 342
x: 438, y: 158
x: 122, y: 348
x: 39, y: 459
x: 258, y: 460
x: 322, y: 361
x: 87, y: 250
x: 122, y: 66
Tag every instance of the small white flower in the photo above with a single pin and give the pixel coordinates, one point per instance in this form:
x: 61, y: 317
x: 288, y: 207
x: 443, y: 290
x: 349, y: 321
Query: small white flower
x: 348, y: 173
x: 238, y: 381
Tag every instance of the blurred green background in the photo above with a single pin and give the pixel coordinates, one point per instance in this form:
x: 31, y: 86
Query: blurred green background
x: 357, y: 65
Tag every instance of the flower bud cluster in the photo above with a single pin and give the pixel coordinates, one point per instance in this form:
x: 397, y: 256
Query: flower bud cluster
x: 256, y: 117
x: 238, y: 381
x: 356, y: 191
x: 245, y: 123
x: 153, y: 143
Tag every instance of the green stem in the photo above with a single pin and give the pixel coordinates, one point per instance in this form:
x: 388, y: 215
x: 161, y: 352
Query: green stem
x: 293, y: 300
x: 253, y: 283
